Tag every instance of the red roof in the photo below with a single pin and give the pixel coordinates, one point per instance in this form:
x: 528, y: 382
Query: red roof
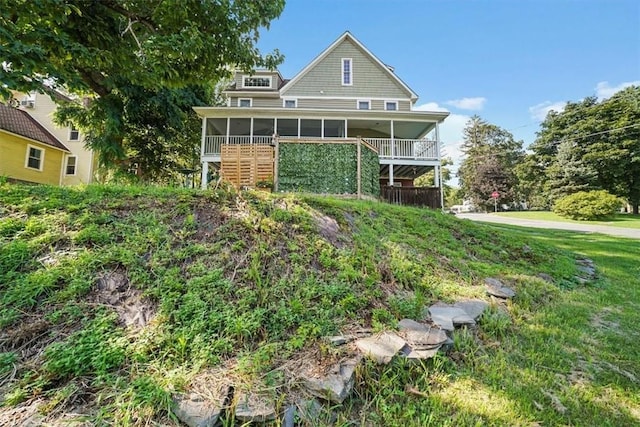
x: 21, y: 123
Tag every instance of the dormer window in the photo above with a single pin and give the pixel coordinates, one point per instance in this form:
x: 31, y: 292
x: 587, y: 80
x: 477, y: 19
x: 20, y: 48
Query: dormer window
x: 347, y: 72
x: 261, y: 82
x: 289, y: 103
x: 244, y: 102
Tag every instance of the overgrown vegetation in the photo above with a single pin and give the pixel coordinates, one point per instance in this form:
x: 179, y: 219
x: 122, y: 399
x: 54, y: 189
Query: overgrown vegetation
x: 247, y: 281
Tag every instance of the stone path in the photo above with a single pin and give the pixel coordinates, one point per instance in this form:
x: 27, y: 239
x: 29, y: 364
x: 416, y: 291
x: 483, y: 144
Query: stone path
x: 630, y: 233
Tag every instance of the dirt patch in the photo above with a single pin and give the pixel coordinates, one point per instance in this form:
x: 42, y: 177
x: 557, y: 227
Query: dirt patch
x: 113, y: 289
x: 599, y: 320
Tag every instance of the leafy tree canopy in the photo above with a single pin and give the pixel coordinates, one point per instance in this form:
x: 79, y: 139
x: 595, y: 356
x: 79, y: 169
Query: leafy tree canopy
x: 592, y: 145
x: 93, y: 46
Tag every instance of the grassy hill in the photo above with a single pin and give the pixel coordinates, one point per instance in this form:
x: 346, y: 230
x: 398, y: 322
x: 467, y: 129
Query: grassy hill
x: 112, y: 299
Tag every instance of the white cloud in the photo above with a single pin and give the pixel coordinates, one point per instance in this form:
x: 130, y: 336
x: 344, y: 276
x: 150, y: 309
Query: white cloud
x: 430, y: 106
x: 604, y: 90
x: 539, y: 112
x: 476, y: 103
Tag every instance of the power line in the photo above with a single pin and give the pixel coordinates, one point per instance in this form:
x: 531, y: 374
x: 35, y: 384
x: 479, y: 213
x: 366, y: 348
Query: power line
x: 597, y: 133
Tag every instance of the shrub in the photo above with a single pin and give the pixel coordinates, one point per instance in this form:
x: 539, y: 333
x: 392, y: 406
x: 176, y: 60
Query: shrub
x: 587, y: 205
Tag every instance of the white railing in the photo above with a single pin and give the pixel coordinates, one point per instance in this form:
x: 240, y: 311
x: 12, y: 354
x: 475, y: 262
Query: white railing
x: 213, y: 143
x: 412, y: 149
x: 415, y: 149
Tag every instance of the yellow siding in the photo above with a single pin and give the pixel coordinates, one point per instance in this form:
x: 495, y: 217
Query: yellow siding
x: 13, y: 152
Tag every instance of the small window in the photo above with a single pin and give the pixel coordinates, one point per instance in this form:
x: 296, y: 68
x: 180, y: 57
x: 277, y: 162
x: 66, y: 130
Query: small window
x: 244, y: 102
x: 290, y: 103
x: 35, y: 157
x: 391, y: 105
x: 74, y: 134
x: 347, y: 72
x: 70, y: 169
x: 255, y: 81
x: 364, y: 105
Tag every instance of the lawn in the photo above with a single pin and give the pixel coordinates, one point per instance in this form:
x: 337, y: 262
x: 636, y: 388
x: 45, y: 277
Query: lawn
x: 620, y: 220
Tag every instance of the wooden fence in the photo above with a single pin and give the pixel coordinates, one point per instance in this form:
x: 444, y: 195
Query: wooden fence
x: 245, y: 165
x: 414, y: 196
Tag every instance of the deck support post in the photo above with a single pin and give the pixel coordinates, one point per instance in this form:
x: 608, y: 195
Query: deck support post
x: 205, y: 175
x: 391, y: 174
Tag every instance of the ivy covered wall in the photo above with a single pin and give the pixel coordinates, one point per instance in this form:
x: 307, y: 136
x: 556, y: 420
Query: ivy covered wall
x: 327, y: 168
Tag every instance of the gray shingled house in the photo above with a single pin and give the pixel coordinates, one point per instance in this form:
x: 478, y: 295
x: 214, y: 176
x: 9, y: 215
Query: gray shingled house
x: 345, y: 95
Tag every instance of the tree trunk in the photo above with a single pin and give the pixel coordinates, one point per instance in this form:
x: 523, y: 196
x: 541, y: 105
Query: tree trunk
x: 635, y: 209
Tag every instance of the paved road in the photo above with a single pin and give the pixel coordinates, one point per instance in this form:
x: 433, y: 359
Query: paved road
x: 632, y: 233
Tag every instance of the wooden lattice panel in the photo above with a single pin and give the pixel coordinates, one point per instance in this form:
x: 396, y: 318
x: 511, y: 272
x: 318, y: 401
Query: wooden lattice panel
x: 245, y: 165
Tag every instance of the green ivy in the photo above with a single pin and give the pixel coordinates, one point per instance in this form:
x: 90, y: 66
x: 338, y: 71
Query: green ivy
x: 327, y: 168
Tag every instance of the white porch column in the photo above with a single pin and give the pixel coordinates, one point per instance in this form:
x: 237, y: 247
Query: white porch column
x: 439, y: 171
x: 392, y: 143
x: 436, y: 176
x: 205, y: 175
x: 391, y: 174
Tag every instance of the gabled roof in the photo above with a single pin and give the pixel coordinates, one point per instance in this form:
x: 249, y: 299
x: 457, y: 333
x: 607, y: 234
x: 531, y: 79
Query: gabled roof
x: 348, y: 36
x: 21, y: 123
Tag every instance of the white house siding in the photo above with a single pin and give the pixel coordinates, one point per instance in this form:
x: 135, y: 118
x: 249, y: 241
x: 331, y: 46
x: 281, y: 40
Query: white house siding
x: 325, y: 78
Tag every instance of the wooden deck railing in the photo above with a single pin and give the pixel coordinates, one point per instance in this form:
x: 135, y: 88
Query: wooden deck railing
x: 414, y: 196
x: 387, y: 148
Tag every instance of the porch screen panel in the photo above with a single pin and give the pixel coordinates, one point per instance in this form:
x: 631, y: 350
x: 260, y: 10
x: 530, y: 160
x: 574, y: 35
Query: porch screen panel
x: 334, y: 128
x: 288, y: 127
x: 311, y: 128
x: 216, y: 126
x: 239, y: 127
x: 263, y: 127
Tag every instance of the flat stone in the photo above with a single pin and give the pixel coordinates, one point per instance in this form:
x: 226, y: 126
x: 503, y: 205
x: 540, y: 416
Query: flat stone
x: 496, y: 288
x: 336, y: 385
x: 410, y: 353
x: 306, y: 411
x: 196, y: 411
x: 588, y: 270
x: 547, y: 278
x: 420, y: 336
x: 448, y: 316
x: 473, y: 307
x: 337, y: 340
x: 585, y: 261
x: 381, y: 347
x: 254, y: 408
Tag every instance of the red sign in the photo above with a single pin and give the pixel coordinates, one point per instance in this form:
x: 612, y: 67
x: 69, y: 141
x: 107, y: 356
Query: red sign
x: 495, y: 194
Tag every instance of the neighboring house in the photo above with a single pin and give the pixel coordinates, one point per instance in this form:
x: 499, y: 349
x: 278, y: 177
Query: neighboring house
x: 28, y: 151
x: 345, y: 93
x: 78, y: 162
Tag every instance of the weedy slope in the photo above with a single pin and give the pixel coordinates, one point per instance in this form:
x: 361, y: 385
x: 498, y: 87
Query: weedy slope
x: 113, y: 298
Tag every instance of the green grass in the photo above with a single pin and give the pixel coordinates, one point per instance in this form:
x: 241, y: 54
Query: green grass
x: 245, y: 281
x: 620, y: 220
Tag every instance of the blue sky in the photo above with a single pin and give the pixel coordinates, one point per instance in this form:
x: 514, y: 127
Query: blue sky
x: 508, y: 61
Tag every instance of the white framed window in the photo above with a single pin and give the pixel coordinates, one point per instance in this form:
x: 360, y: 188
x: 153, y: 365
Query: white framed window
x: 74, y: 134
x: 364, y: 104
x: 244, y: 102
x: 70, y: 168
x: 35, y: 158
x: 263, y: 82
x: 391, y: 105
x: 347, y: 72
x: 290, y: 103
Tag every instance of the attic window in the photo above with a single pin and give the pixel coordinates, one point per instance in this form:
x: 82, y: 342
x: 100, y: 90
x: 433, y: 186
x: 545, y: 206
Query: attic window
x: 256, y: 81
x: 391, y: 105
x: 347, y: 72
x: 74, y: 133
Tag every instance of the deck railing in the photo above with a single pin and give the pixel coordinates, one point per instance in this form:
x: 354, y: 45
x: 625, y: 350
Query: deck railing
x: 415, y: 149
x: 388, y: 148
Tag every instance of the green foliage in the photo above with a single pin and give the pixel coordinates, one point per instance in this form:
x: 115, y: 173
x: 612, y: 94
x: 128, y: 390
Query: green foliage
x: 327, y: 168
x: 491, y: 154
x: 593, y: 144
x: 588, y: 205
x: 97, y: 349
